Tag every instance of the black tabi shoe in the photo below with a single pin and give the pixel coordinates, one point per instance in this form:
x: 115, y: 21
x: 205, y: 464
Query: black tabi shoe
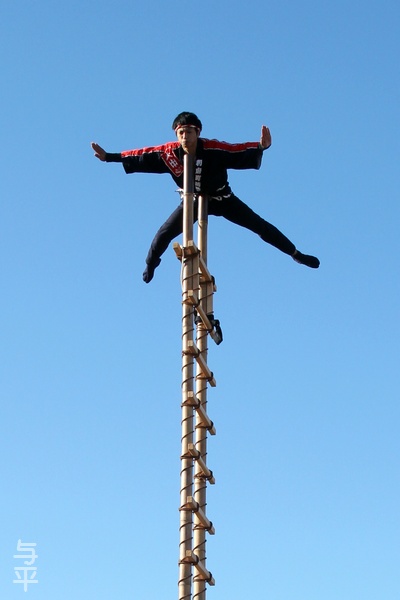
x: 306, y: 259
x: 148, y: 273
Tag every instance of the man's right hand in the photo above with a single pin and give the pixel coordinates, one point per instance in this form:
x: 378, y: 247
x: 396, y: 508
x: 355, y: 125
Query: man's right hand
x: 99, y: 152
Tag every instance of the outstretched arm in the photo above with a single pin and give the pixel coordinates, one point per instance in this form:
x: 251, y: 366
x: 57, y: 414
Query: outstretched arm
x: 265, y: 140
x: 99, y: 152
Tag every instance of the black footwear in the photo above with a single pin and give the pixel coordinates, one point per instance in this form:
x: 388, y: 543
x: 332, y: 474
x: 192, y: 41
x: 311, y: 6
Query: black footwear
x: 306, y: 259
x: 148, y: 273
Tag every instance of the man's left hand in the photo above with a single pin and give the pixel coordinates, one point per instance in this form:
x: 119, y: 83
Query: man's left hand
x: 265, y: 140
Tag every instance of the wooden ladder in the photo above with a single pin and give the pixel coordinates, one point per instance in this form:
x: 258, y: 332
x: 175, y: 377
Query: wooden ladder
x: 198, y: 324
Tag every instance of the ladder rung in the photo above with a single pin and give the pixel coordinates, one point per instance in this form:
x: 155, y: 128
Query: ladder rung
x: 191, y: 400
x: 206, y: 472
x: 205, y: 421
x: 194, y: 506
x: 193, y: 350
x: 205, y: 522
x: 205, y: 272
x: 178, y: 249
x: 191, y: 248
x: 210, y: 580
x: 203, y: 573
x: 193, y: 300
x: 181, y: 251
x: 204, y: 318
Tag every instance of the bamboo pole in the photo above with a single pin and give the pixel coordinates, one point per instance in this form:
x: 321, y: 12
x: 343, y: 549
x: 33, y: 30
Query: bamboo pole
x: 189, y: 273
x: 200, y: 481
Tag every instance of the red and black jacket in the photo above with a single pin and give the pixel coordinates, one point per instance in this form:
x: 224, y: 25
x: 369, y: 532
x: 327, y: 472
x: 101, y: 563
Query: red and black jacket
x: 213, y: 159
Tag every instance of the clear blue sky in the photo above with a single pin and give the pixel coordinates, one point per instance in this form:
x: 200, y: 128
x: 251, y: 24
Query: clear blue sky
x: 306, y: 457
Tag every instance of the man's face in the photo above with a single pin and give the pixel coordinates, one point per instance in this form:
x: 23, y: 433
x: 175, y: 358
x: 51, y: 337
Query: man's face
x: 187, y: 137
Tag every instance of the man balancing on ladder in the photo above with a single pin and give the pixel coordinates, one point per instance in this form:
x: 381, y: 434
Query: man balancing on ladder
x: 212, y: 160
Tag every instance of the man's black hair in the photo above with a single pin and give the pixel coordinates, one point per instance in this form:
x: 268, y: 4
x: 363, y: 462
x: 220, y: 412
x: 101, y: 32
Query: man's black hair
x: 187, y: 118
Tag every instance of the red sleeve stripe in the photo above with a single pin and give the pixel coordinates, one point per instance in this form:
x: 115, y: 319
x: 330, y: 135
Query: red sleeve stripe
x: 216, y: 145
x: 150, y: 149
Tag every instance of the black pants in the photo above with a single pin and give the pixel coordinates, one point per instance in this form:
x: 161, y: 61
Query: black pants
x: 233, y: 210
